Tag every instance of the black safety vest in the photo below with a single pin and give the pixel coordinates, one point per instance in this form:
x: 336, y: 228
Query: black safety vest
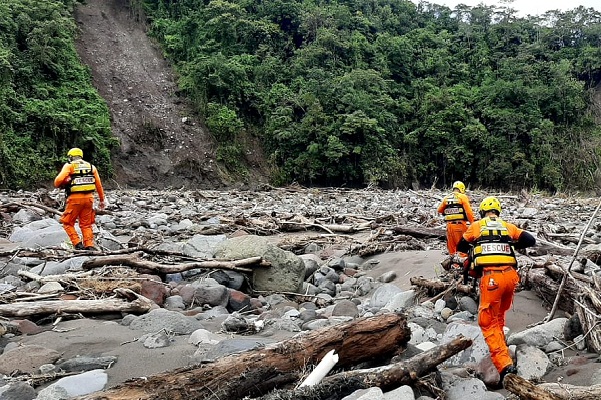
x: 454, y: 209
x: 82, y: 177
x: 493, y: 247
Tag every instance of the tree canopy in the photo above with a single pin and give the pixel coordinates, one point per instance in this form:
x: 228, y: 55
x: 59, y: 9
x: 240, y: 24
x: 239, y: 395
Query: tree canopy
x: 386, y: 92
x: 339, y: 92
x: 47, y: 101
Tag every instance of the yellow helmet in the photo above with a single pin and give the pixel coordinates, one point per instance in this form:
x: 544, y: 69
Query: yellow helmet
x: 75, y: 152
x: 460, y: 186
x: 490, y: 203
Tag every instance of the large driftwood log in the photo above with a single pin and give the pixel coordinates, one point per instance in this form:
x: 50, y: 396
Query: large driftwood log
x: 436, y: 286
x: 571, y: 392
x: 387, y: 377
x: 259, y: 371
x: 138, y: 305
x: 588, y: 308
x: 132, y: 260
x: 527, y: 390
x: 420, y: 232
x: 547, y: 288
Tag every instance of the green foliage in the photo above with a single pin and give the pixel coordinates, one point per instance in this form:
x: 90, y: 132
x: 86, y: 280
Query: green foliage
x: 389, y: 93
x: 47, y: 103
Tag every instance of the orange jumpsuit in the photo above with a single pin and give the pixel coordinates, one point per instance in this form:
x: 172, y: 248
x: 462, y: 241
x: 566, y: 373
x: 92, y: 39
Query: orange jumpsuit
x: 80, y: 205
x: 497, y: 287
x: 457, y: 225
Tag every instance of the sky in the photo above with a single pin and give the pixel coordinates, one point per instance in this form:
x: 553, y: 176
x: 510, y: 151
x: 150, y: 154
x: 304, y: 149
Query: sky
x: 525, y: 7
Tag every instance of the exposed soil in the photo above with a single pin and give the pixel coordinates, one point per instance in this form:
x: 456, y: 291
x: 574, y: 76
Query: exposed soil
x: 162, y: 142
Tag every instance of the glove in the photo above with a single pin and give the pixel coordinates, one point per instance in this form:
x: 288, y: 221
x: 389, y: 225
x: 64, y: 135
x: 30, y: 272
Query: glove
x: 101, y: 205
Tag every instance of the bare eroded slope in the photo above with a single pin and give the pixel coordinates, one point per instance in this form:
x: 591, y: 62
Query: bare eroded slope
x: 162, y: 143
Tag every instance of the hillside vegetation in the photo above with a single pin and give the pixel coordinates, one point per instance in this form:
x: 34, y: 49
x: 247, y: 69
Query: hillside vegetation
x: 47, y: 101
x: 352, y: 92
x: 385, y: 92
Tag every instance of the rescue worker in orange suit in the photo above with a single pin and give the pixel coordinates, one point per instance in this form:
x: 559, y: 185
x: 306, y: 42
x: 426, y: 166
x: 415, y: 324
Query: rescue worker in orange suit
x: 492, y: 242
x: 457, y: 213
x: 80, y: 180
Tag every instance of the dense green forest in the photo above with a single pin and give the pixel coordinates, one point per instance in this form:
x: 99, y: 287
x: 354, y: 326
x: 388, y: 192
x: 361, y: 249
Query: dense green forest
x: 340, y: 92
x: 47, y: 101
x: 388, y: 92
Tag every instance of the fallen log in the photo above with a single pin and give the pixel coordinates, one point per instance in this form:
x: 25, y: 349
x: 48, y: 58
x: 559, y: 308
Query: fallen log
x: 572, y: 392
x: 527, y: 390
x: 436, y: 286
x: 588, y: 308
x: 258, y: 371
x: 133, y: 261
x: 420, y: 232
x: 537, y: 280
x: 387, y: 377
x: 545, y: 247
x: 137, y: 304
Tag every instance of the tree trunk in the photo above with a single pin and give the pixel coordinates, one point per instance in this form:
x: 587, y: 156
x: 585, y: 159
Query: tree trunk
x: 547, y: 288
x: 571, y: 392
x: 132, y: 260
x: 139, y: 305
x: 527, y: 390
x: 420, y: 232
x: 389, y: 377
x: 259, y: 371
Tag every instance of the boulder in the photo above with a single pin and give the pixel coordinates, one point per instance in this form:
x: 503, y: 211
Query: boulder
x: 286, y: 273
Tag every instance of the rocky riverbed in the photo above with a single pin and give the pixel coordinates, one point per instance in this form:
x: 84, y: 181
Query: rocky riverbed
x: 334, y: 256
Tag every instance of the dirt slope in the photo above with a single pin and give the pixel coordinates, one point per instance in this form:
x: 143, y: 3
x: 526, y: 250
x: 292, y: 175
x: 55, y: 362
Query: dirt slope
x: 162, y: 143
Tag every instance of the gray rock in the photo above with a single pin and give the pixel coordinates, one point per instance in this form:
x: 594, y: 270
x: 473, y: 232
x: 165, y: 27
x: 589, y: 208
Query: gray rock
x: 327, y: 287
x: 230, y: 346
x: 155, y: 340
x: 477, y: 356
x: 439, y: 306
x: 235, y: 323
x: 572, y: 328
x: 174, y: 303
x: 203, y: 246
x: 311, y: 262
x: 387, y: 277
x: 53, y: 235
x: 59, y: 268
x: 218, y: 311
x: 532, y: 363
x: 53, y: 393
x: 86, y: 363
x: 17, y: 391
x: 467, y: 389
x: 468, y: 304
x: 230, y: 279
x: 540, y: 335
x: 203, y: 336
x: 401, y: 301
x: 287, y: 271
x: 25, y: 216
x: 461, y: 316
x: 374, y: 393
x: 82, y: 384
x: 383, y: 295
x: 401, y: 393
x: 171, y: 321
x: 208, y: 291
x: 345, y: 308
x: 27, y: 359
x: 50, y: 287
x: 25, y: 232
x: 337, y: 264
